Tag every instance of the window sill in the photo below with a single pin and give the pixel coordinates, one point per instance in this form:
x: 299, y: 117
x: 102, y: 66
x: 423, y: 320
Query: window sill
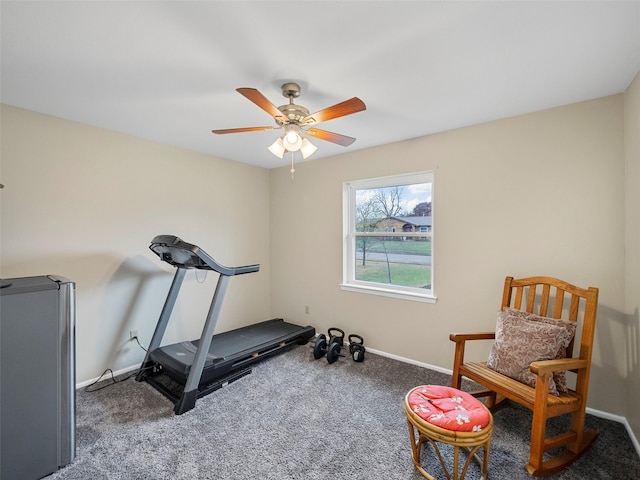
x: 385, y: 292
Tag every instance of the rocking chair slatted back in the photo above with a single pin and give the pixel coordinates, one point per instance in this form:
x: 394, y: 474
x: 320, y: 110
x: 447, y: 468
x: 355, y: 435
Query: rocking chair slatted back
x: 529, y: 288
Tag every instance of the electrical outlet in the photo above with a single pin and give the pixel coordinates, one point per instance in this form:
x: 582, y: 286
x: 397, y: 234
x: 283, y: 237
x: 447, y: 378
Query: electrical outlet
x: 306, y: 309
x: 133, y: 334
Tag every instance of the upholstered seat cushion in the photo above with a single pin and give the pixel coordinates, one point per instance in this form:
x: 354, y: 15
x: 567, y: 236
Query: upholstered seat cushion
x: 448, y: 408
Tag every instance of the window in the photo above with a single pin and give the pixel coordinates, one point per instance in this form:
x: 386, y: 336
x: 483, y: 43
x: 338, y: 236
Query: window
x: 388, y: 231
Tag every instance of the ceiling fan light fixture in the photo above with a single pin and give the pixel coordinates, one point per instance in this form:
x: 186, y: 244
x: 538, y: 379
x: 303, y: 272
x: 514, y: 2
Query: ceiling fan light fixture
x: 277, y: 148
x: 307, y: 148
x: 292, y: 140
x: 292, y: 137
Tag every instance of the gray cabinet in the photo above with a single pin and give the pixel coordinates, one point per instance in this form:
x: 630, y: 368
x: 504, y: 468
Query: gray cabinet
x: 37, y: 376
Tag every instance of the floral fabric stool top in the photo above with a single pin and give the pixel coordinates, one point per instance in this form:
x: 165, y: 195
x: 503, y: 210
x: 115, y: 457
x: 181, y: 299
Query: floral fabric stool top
x: 446, y: 415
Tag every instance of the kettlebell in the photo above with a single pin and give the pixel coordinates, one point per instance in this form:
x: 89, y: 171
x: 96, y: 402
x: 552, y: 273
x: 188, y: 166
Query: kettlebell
x: 336, y: 336
x: 356, y: 347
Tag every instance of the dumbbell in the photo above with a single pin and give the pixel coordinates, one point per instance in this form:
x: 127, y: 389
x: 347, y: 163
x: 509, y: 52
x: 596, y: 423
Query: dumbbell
x: 332, y: 347
x: 356, y: 347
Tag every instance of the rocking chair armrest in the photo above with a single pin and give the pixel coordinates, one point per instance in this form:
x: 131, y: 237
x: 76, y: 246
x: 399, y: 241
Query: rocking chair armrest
x: 462, y: 337
x: 561, y: 364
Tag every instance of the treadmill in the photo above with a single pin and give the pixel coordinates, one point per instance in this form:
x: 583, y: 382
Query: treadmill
x: 186, y: 371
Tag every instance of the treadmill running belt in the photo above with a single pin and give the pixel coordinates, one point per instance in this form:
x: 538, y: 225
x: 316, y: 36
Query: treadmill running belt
x: 231, y: 350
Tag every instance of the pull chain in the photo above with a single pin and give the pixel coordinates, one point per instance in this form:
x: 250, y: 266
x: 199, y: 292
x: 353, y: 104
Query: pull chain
x: 293, y: 170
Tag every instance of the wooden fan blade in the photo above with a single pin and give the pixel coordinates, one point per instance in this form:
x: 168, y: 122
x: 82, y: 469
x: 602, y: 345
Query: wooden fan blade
x: 331, y: 137
x: 260, y: 100
x: 341, y: 109
x: 238, y: 130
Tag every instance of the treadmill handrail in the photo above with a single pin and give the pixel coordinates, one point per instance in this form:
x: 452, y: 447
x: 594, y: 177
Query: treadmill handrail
x: 177, y: 252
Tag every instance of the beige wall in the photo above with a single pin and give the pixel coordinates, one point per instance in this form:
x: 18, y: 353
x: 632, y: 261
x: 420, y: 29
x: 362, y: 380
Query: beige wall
x: 84, y: 203
x: 632, y: 277
x: 538, y: 194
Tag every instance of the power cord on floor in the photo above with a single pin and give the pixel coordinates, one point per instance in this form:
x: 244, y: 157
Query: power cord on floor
x: 113, y: 379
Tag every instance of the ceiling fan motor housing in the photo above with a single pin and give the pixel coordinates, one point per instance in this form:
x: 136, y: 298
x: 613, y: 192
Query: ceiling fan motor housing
x: 294, y: 113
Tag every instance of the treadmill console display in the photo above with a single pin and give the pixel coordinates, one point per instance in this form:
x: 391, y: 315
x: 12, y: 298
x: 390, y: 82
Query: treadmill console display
x: 176, y: 252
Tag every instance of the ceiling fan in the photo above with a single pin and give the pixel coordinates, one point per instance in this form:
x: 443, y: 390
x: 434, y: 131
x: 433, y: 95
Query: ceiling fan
x: 296, y: 121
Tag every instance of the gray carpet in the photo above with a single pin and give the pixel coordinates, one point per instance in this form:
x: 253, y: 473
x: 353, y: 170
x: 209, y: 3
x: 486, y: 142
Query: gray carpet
x: 299, y: 418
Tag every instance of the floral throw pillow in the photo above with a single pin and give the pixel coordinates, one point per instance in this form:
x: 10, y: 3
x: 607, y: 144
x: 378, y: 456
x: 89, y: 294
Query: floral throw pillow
x: 523, y: 338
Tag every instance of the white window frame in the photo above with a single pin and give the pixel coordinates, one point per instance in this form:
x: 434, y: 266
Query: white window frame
x: 349, y: 282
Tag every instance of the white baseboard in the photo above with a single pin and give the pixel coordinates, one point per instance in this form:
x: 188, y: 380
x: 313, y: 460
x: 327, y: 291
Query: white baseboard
x: 105, y: 376
x: 617, y: 418
x: 410, y: 361
x: 634, y: 439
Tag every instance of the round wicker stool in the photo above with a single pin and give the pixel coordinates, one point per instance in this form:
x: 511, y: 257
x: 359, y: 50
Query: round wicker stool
x: 450, y: 416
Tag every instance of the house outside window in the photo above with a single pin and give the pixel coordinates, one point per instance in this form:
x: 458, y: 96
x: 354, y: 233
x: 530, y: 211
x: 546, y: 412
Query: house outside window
x: 388, y: 232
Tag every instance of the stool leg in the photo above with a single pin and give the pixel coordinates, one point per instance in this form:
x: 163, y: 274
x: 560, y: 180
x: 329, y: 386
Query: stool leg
x: 415, y: 446
x: 485, y: 464
x: 472, y: 453
x: 456, y: 455
x: 436, y: 449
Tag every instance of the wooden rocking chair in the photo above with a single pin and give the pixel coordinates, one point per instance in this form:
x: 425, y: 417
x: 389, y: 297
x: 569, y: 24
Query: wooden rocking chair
x: 544, y: 297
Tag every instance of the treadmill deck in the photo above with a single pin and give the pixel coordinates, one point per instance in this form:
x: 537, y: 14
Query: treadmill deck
x: 231, y: 350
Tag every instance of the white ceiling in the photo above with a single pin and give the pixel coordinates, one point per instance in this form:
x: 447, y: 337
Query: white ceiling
x: 167, y: 71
